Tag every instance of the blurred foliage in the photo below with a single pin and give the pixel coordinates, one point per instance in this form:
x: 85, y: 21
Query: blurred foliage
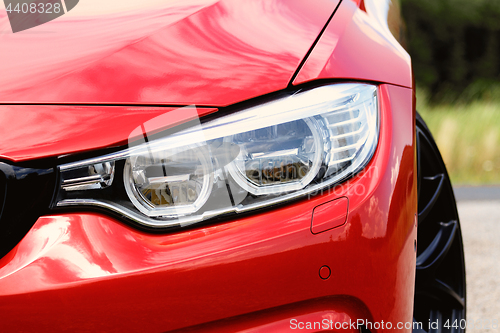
x: 468, y: 137
x: 455, y: 47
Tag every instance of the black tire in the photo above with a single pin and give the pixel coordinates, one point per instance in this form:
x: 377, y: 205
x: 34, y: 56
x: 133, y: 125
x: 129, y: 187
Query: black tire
x: 440, y: 289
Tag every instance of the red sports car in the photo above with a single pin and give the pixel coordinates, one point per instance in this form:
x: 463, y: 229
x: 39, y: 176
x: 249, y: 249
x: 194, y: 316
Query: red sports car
x: 219, y: 166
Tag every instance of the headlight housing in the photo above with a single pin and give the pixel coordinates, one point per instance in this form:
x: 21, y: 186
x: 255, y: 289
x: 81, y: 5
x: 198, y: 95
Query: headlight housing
x: 252, y: 158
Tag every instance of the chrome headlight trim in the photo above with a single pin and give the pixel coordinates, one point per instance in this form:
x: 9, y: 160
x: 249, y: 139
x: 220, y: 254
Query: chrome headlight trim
x: 321, y: 109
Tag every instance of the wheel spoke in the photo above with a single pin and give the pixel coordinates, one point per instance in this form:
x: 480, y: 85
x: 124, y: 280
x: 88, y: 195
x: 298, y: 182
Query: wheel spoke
x: 441, y: 296
x: 435, y: 317
x: 458, y: 315
x: 433, y: 255
x: 430, y: 188
x: 447, y: 295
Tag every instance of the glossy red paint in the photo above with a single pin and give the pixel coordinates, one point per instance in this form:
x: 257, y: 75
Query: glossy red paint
x: 322, y: 215
x: 202, y: 52
x: 39, y: 131
x: 358, y: 2
x: 354, y: 46
x: 87, y: 272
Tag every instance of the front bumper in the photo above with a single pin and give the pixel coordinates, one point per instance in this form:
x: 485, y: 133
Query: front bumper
x: 86, y: 271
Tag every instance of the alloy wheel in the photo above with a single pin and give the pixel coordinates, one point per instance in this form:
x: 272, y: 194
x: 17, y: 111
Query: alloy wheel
x: 440, y: 293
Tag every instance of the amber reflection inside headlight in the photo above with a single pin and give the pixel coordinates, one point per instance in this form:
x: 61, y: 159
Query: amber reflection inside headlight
x: 169, y: 182
x: 251, y: 158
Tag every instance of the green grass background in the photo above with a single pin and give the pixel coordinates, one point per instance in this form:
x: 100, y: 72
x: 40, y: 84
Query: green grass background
x: 468, y: 136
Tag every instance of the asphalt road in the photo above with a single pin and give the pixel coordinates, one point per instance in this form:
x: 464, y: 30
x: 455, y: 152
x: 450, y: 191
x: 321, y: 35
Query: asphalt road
x: 479, y: 212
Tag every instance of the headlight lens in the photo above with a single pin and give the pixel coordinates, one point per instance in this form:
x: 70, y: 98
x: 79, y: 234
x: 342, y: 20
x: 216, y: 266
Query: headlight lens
x: 169, y: 183
x: 252, y: 158
x: 278, y: 158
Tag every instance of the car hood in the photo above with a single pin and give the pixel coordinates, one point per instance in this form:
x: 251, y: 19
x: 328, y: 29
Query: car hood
x: 202, y: 52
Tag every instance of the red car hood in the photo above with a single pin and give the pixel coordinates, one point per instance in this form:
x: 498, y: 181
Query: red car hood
x: 202, y: 52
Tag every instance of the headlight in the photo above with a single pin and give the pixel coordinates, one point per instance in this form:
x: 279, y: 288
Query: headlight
x: 256, y: 157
